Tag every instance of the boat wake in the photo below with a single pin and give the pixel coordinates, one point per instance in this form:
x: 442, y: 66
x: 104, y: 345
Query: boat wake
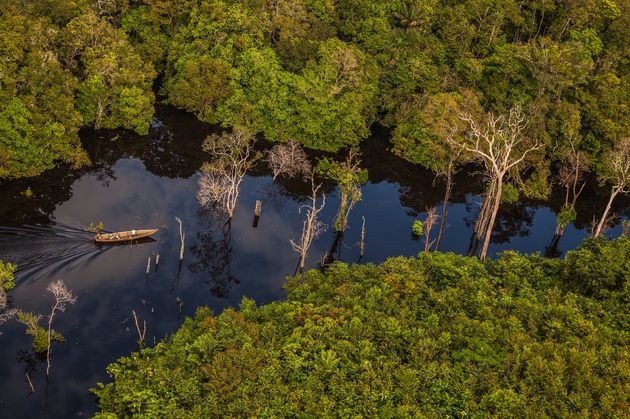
x: 45, y: 248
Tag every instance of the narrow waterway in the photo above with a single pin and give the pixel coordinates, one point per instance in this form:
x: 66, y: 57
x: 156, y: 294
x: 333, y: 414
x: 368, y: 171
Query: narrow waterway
x: 145, y: 182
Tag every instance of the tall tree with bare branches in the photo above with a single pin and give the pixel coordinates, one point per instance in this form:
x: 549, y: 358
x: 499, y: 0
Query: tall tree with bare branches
x: 220, y: 180
x: 422, y: 133
x: 63, y: 296
x: 502, y: 146
x: 617, y: 173
x: 312, y: 227
x: 573, y: 166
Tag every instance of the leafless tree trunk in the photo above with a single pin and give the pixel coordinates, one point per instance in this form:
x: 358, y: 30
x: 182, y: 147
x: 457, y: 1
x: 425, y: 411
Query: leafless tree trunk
x: 572, y: 170
x: 312, y: 226
x: 448, y: 174
x: 220, y: 181
x: 501, y: 145
x: 617, y: 172
x: 182, y: 238
x: 570, y: 177
x: 288, y: 160
x: 427, y: 226
x: 605, y: 218
x: 141, y: 333
x: 62, y: 296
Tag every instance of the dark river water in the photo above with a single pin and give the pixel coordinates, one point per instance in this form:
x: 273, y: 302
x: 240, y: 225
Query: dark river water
x: 145, y: 182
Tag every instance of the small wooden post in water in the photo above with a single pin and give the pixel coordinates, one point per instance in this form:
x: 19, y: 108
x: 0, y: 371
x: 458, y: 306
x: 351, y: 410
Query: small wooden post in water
x: 148, y: 264
x: 257, y: 214
x: 157, y: 261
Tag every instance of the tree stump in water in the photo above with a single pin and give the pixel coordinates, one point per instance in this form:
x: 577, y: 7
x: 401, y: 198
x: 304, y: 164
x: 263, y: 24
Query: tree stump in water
x: 257, y: 211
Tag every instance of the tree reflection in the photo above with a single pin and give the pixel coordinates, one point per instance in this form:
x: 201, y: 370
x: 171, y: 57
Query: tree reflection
x: 213, y: 255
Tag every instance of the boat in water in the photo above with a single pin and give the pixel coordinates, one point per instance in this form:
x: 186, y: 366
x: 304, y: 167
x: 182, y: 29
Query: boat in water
x: 124, y: 236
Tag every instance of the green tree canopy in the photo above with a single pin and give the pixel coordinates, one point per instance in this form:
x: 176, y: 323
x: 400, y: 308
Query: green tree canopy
x: 440, y: 335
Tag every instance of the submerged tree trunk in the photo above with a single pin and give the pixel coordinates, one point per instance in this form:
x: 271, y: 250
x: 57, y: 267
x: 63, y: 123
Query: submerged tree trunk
x: 490, y: 225
x: 551, y: 251
x: 334, y: 248
x: 600, y: 226
x: 429, y: 222
x: 447, y: 197
x: 482, y: 220
x: 342, y: 218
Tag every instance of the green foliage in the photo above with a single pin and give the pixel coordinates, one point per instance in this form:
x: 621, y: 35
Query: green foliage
x: 38, y: 120
x: 115, y: 87
x: 510, y: 194
x: 65, y: 67
x: 416, y: 228
x: 27, y: 193
x: 437, y: 336
x: 317, y: 72
x: 39, y: 334
x: 350, y: 178
x: 95, y: 228
x: 6, y: 275
x: 566, y: 215
x: 600, y: 269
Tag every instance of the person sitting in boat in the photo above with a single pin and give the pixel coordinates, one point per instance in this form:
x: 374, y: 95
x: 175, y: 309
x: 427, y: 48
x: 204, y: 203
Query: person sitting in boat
x: 111, y: 236
x: 133, y: 233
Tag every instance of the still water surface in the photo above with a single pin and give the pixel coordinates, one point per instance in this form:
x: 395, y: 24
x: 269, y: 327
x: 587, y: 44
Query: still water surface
x: 145, y: 182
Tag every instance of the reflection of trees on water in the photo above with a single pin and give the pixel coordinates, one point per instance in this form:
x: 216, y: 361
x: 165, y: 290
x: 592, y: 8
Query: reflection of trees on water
x: 173, y: 149
x: 213, y: 256
x: 334, y: 253
x: 513, y: 220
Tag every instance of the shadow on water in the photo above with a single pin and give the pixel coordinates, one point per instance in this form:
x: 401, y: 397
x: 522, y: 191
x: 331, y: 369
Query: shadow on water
x: 145, y: 182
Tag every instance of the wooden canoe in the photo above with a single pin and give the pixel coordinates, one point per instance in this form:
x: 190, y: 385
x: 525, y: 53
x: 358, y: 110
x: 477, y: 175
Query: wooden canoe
x: 123, y: 236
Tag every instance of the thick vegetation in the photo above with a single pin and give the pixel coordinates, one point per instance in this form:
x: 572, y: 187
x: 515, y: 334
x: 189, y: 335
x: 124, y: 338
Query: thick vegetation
x: 316, y: 72
x: 6, y: 283
x: 441, y: 335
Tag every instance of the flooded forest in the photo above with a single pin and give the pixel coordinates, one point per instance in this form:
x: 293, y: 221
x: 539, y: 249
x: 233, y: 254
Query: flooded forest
x: 258, y: 208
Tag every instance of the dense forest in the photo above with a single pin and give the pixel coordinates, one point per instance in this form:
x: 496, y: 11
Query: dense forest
x: 536, y: 93
x: 317, y: 72
x: 531, y: 96
x: 437, y: 336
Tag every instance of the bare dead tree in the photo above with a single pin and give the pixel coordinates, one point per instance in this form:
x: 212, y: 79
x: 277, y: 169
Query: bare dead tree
x: 427, y: 225
x: 447, y: 173
x: 501, y: 145
x: 571, y: 177
x: 62, y: 296
x: 617, y: 173
x: 312, y: 227
x: 288, y: 160
x: 221, y: 178
x: 141, y: 333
